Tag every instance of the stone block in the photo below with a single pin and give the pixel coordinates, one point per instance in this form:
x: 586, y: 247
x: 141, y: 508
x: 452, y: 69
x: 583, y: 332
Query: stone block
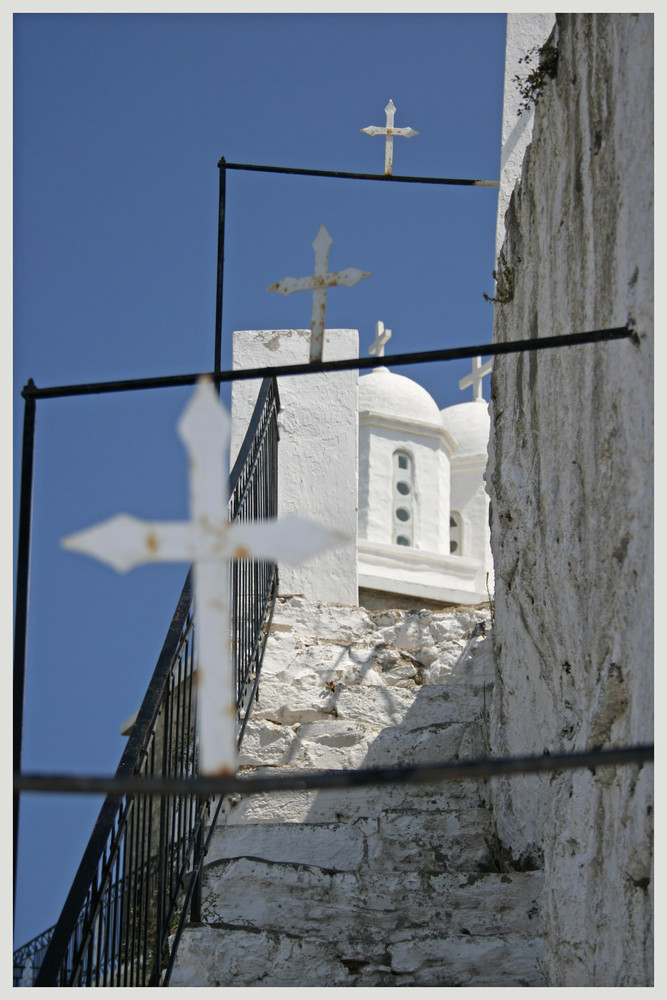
x: 469, y: 961
x: 331, y: 846
x: 246, y: 958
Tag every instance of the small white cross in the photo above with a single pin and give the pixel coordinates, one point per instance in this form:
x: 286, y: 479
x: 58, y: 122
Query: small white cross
x: 318, y: 284
x: 389, y: 132
x: 478, y: 372
x: 382, y: 335
x: 209, y: 541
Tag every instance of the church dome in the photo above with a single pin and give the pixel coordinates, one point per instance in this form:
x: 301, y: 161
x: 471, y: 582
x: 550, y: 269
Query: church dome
x: 389, y: 395
x: 469, y: 424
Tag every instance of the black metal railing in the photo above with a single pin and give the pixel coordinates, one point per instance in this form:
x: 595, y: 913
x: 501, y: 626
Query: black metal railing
x: 253, y: 588
x: 140, y: 874
x: 28, y: 958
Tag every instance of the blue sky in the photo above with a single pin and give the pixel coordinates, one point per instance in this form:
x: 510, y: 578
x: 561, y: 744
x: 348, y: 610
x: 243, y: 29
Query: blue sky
x: 119, y: 122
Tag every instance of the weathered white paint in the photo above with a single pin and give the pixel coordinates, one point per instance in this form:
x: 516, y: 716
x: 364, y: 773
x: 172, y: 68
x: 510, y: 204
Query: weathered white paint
x: 570, y: 477
x: 318, y: 283
x: 318, y: 449
x: 524, y: 32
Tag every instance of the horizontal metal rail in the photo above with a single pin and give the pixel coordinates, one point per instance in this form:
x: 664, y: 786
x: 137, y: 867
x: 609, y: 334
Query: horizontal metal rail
x: 415, y: 773
x: 31, y: 391
x: 346, y: 174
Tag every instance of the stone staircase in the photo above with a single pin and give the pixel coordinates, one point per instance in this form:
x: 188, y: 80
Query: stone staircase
x: 402, y: 885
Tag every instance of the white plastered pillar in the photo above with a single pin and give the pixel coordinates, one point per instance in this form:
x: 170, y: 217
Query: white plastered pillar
x: 317, y: 453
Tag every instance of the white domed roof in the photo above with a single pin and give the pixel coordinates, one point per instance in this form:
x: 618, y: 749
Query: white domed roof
x: 469, y: 424
x: 391, y: 395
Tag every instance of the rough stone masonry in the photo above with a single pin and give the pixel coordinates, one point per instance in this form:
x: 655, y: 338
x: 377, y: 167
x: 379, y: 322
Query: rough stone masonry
x: 398, y: 885
x: 570, y: 479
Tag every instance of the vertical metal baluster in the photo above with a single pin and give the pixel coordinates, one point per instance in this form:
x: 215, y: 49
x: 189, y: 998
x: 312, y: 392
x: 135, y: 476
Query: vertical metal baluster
x: 177, y: 809
x: 106, y: 911
x: 148, y: 881
x: 145, y: 884
x: 91, y: 938
x: 135, y: 915
x: 171, y: 855
x: 195, y: 903
x: 184, y: 800
x: 173, y: 851
x: 22, y: 594
x: 98, y: 939
x: 115, y: 882
x: 140, y: 890
x: 129, y: 889
x: 165, y: 813
x: 234, y: 572
x: 222, y: 166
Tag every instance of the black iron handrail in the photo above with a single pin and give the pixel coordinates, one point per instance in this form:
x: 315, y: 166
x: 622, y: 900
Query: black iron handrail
x: 32, y: 392
x: 122, y: 919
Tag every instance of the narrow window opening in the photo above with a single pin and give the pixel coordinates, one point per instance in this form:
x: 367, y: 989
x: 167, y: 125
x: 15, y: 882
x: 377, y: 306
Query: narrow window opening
x: 455, y: 533
x: 402, y: 502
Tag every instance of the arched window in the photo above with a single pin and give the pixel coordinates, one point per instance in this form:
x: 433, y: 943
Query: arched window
x: 455, y: 533
x: 403, y: 512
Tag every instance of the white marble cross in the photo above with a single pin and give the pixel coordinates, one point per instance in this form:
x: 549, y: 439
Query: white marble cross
x: 389, y: 132
x: 478, y: 372
x: 209, y: 541
x: 382, y: 335
x: 318, y: 284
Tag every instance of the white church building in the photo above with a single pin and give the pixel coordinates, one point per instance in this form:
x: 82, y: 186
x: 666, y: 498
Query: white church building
x: 374, y: 458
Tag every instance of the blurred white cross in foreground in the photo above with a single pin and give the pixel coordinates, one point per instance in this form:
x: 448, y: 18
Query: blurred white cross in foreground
x: 478, y: 372
x: 382, y: 335
x: 318, y: 284
x: 389, y: 132
x: 209, y: 540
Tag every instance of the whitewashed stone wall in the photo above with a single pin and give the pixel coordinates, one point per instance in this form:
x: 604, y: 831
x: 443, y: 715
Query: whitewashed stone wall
x: 377, y: 886
x: 523, y: 32
x: 570, y: 479
x: 317, y: 452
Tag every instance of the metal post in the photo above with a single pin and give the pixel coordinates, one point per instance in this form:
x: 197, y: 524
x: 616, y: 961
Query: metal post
x: 22, y: 594
x: 222, y: 166
x: 195, y: 904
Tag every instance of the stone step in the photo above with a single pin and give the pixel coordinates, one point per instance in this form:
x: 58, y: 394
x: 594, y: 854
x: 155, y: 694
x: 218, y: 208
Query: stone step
x: 369, y: 704
x: 342, y: 744
x: 380, y: 906
x: 333, y: 806
x: 391, y: 840
x: 380, y: 887
x: 229, y: 956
